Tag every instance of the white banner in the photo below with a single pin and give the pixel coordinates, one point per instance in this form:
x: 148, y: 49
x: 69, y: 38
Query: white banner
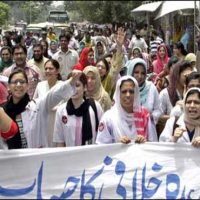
x: 117, y: 171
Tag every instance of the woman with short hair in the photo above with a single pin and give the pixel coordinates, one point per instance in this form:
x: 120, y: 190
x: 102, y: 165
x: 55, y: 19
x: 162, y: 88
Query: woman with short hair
x: 77, y: 120
x: 32, y: 116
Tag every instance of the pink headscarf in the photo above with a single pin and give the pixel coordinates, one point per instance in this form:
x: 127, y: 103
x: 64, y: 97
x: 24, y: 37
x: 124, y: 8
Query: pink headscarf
x: 159, y: 65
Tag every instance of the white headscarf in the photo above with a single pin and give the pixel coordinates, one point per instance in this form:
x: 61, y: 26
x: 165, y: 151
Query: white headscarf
x: 146, y: 85
x: 116, y: 97
x: 123, y: 119
x: 130, y: 65
x: 193, y: 122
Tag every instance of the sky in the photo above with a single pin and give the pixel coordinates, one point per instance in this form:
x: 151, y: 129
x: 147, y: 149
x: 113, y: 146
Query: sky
x: 57, y: 3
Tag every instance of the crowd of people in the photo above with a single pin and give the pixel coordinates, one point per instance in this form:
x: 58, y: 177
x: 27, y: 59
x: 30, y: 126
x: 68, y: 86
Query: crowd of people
x: 95, y: 85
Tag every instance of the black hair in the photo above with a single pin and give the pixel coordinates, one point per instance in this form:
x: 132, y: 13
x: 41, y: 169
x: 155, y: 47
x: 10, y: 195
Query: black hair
x: 192, y: 91
x: 192, y: 76
x: 66, y: 36
x: 139, y: 63
x: 6, y: 48
x: 38, y: 45
x: 172, y: 60
x: 56, y: 64
x: 127, y: 80
x: 82, y: 79
x: 20, y: 46
x: 17, y: 71
x: 184, y: 65
x: 179, y: 45
x: 7, y: 38
x: 105, y: 63
x: 18, y: 39
x: 154, y: 32
x: 174, y: 78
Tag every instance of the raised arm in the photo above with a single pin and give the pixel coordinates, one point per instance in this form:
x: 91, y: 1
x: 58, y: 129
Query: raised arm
x: 117, y: 59
x: 61, y: 91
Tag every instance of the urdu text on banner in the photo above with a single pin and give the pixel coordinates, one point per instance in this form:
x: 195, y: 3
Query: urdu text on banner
x: 117, y: 171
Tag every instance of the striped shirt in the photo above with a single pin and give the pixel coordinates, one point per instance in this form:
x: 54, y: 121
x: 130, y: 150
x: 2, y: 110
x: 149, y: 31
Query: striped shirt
x: 154, y: 45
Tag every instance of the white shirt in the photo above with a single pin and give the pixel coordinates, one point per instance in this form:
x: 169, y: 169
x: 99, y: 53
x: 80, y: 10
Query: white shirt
x: 35, y: 117
x: 153, y: 103
x: 106, y: 134
x: 66, y: 125
x: 138, y: 43
x: 67, y: 61
x: 176, y: 111
x: 166, y: 135
x: 40, y: 64
x: 73, y: 44
x: 42, y: 89
x: 165, y: 102
x: 40, y: 92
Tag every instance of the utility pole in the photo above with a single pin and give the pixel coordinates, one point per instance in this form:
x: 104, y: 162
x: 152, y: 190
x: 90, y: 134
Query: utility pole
x: 30, y: 12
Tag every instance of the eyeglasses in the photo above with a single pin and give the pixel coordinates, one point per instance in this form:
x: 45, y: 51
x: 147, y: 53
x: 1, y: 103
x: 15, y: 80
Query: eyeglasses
x: 125, y: 91
x: 15, y: 82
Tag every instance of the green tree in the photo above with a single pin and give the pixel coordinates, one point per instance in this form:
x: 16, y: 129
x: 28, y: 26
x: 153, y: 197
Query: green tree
x: 36, y: 11
x: 4, y: 13
x: 30, y: 11
x: 103, y: 11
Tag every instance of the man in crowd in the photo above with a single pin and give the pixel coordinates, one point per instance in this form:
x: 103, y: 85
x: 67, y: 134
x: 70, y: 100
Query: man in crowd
x: 33, y: 72
x: 66, y: 57
x: 38, y: 58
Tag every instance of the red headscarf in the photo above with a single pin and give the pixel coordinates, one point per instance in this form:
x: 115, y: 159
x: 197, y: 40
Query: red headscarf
x: 3, y: 93
x: 159, y: 64
x: 83, y: 61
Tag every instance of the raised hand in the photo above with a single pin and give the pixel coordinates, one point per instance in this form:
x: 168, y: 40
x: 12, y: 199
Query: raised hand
x: 178, y: 133
x: 120, y: 36
x: 75, y: 76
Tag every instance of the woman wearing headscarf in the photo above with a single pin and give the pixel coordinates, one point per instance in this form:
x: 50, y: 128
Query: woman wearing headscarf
x: 86, y: 59
x: 95, y: 89
x: 127, y: 120
x: 109, y: 72
x: 137, y: 53
x: 161, y: 61
x: 100, y: 50
x: 149, y: 96
x: 185, y: 129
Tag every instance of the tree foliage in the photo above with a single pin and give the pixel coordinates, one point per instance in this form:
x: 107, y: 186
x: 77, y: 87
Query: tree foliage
x: 103, y: 11
x: 29, y: 11
x: 4, y: 13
